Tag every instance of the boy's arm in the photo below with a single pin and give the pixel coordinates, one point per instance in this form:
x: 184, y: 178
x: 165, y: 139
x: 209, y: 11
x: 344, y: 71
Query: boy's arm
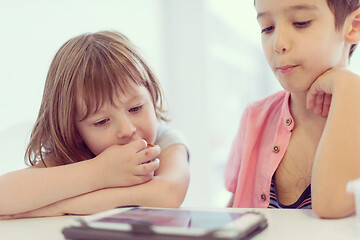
x: 167, y: 189
x: 35, y: 187
x: 337, y: 158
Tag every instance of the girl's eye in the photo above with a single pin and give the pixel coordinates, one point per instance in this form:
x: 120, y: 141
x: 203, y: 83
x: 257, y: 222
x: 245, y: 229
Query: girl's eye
x: 136, y: 109
x: 102, y: 122
x: 302, y: 24
x: 267, y: 30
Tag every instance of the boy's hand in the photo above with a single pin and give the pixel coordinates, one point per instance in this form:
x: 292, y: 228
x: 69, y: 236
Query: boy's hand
x: 127, y: 165
x: 320, y: 93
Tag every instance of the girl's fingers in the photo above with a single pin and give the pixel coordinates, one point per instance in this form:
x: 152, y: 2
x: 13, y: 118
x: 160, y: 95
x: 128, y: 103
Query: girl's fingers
x: 148, y: 154
x: 138, y: 145
x: 148, y: 167
x: 141, y: 144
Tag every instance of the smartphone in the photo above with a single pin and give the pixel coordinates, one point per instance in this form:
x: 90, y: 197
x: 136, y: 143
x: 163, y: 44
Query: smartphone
x: 217, y: 224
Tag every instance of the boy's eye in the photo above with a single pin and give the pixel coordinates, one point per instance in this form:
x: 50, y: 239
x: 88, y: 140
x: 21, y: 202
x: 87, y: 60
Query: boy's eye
x: 136, y: 109
x: 302, y: 24
x: 102, y: 122
x: 267, y: 30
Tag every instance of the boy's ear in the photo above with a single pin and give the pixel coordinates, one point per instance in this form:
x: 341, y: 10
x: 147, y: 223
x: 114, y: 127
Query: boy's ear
x: 353, y: 33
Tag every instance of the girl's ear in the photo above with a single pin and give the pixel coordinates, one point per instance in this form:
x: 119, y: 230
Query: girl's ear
x: 353, y: 33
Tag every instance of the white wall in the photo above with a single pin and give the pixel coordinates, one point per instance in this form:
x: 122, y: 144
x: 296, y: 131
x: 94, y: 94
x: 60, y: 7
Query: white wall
x: 206, y: 53
x: 213, y: 61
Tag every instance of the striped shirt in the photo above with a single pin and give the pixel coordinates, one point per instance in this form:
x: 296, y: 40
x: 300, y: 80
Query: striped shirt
x: 304, y: 201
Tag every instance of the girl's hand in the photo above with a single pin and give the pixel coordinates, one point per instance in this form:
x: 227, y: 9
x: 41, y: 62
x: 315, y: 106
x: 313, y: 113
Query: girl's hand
x: 127, y: 165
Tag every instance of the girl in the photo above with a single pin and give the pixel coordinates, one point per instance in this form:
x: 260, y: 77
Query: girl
x: 294, y: 149
x: 91, y: 147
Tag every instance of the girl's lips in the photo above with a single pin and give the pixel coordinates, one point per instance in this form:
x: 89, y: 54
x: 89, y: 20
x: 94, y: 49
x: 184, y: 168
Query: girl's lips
x: 286, y: 69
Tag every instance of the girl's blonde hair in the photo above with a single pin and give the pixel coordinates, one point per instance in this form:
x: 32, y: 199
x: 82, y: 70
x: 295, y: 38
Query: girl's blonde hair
x: 94, y: 66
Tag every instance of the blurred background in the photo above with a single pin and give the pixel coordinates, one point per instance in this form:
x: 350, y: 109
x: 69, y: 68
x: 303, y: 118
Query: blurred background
x: 206, y: 53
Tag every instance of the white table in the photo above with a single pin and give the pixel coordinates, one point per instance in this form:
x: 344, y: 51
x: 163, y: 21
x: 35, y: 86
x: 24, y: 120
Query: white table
x: 283, y: 224
x: 304, y: 224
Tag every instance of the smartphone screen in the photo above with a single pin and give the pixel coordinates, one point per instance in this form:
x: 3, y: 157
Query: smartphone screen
x: 172, y: 218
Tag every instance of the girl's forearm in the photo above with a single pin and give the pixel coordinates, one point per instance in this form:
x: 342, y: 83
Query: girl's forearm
x: 167, y: 189
x: 28, y: 189
x: 81, y: 189
x: 155, y: 193
x: 337, y: 159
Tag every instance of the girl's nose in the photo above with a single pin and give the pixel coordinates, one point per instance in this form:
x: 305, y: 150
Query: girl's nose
x: 126, y: 128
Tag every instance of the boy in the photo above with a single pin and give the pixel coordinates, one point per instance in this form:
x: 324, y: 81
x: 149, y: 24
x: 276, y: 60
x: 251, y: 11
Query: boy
x: 298, y: 148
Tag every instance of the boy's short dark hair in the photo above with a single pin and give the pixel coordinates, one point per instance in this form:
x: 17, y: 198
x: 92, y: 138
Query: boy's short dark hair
x: 341, y: 9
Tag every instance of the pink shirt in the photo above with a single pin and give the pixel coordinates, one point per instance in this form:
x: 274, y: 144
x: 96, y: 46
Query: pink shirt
x: 257, y: 150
